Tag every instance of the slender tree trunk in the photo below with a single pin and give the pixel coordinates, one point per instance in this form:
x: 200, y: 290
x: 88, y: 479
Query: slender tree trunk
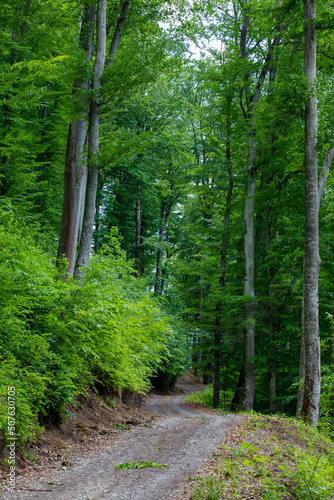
x: 249, y: 288
x: 310, y: 408
x: 272, y: 346
x: 217, y: 338
x: 301, y: 375
x: 97, y: 237
x: 238, y: 397
x: 93, y: 128
x: 93, y: 140
x: 164, y: 215
x: 138, y: 233
x: 74, y: 176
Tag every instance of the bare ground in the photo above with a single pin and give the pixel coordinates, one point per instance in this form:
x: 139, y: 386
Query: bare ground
x: 168, y: 432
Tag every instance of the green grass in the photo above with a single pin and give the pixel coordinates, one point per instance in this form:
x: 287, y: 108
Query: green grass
x: 140, y: 465
x: 270, y: 458
x: 205, y: 398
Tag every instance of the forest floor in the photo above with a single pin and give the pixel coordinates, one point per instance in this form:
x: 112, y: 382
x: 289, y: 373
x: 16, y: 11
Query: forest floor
x: 77, y: 460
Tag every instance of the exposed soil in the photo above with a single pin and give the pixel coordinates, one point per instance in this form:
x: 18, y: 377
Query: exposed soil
x: 78, y: 461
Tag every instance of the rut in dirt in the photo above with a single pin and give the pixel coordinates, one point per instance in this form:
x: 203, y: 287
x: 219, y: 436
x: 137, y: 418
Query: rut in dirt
x: 181, y: 439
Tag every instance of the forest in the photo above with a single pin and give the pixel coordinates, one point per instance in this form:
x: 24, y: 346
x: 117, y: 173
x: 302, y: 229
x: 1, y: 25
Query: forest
x: 166, y: 203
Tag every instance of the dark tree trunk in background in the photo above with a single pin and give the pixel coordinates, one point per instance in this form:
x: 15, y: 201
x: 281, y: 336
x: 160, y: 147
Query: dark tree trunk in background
x: 218, y: 333
x: 164, y: 215
x: 238, y: 397
x: 271, y: 326
x: 252, y: 100
x: 138, y: 233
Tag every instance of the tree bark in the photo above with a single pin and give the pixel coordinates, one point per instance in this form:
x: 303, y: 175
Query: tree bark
x: 93, y: 129
x: 310, y: 408
x: 162, y: 231
x: 331, y: 411
x: 93, y: 140
x: 74, y: 176
x: 138, y: 233
x: 249, y: 238
x: 249, y: 288
x: 301, y: 377
x: 271, y: 325
x: 217, y: 339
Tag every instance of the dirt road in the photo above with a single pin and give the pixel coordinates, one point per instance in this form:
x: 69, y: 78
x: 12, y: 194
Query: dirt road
x: 182, y: 439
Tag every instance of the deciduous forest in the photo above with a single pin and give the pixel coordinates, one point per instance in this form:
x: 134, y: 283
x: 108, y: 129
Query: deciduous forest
x: 167, y: 203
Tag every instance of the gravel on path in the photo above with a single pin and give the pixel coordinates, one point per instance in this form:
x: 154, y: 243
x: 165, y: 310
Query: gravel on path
x: 181, y: 439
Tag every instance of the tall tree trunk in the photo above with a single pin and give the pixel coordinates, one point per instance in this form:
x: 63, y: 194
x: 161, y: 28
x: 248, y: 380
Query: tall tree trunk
x: 164, y: 215
x: 310, y: 408
x: 74, y: 175
x: 138, y: 233
x: 93, y: 128
x: 331, y: 412
x: 272, y: 346
x: 93, y: 140
x: 249, y: 239
x: 217, y: 338
x: 249, y: 288
x: 301, y: 378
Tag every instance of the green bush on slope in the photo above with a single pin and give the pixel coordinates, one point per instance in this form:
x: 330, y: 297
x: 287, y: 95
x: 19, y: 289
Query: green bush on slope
x: 57, y: 337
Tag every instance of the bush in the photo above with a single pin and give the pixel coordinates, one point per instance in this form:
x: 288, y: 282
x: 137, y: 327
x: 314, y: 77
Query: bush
x: 58, y: 337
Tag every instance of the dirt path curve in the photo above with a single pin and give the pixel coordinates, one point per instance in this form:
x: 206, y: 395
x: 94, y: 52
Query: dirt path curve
x: 181, y: 439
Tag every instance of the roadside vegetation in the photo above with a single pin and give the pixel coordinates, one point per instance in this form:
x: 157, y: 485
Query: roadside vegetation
x: 269, y: 458
x: 206, y: 398
x: 57, y: 338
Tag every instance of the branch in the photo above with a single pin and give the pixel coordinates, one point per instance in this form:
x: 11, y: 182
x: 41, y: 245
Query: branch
x: 118, y: 32
x: 324, y: 172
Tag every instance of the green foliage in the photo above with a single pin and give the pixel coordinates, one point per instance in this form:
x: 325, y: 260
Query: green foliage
x: 277, y: 458
x: 314, y: 476
x: 140, y: 465
x: 57, y: 337
x: 208, y: 489
x: 205, y: 398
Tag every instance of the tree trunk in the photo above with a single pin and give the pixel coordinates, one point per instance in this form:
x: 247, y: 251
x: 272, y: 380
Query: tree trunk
x: 93, y: 141
x: 74, y: 175
x: 301, y: 375
x: 249, y: 239
x: 249, y: 289
x: 310, y: 408
x: 164, y: 214
x: 331, y: 411
x: 217, y: 339
x: 301, y: 378
x: 238, y: 397
x: 272, y: 346
x: 93, y: 129
x: 138, y: 233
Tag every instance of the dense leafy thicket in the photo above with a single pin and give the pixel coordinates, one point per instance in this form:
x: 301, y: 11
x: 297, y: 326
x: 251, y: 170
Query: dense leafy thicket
x: 59, y: 337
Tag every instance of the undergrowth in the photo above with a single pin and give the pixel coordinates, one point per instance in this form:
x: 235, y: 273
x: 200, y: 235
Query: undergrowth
x: 206, y: 397
x: 272, y: 458
x: 58, y: 337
